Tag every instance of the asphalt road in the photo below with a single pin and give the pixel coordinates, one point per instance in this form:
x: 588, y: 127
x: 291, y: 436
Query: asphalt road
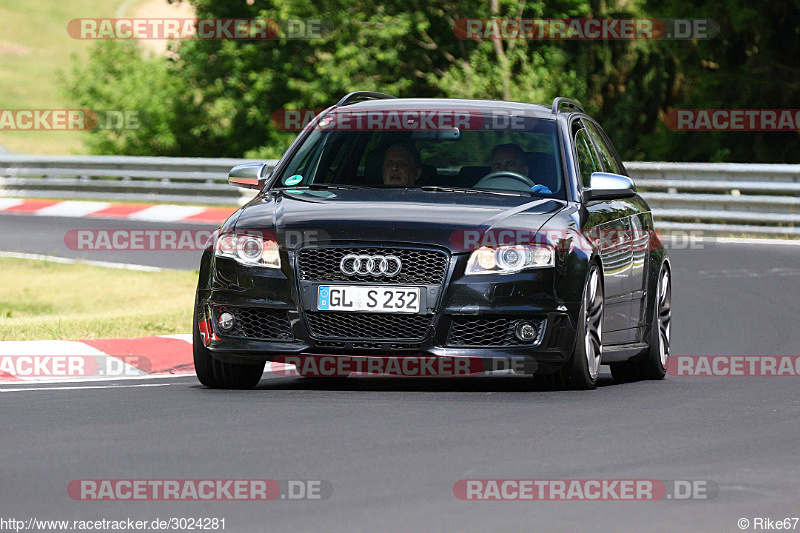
x: 393, y: 448
x: 51, y: 236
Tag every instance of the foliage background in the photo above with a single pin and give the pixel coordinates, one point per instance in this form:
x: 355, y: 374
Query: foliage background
x: 214, y: 98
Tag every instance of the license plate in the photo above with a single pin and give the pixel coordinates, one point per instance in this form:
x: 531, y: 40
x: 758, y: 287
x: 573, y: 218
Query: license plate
x: 366, y: 298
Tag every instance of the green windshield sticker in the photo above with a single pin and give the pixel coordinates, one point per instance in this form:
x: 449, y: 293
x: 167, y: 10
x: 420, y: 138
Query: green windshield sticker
x: 293, y: 180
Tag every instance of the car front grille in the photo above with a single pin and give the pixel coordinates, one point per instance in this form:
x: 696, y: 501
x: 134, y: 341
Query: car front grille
x: 256, y: 323
x: 372, y: 326
x: 488, y: 331
x: 426, y: 267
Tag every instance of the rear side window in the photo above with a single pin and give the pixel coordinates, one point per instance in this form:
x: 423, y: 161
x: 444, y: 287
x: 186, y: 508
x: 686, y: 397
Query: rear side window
x: 587, y: 161
x: 606, y: 157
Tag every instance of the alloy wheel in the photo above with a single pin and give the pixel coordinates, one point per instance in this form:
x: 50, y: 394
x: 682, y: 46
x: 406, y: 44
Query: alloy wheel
x: 593, y: 335
x: 664, y: 310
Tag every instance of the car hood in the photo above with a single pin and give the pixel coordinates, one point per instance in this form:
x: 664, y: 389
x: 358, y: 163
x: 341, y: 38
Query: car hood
x: 303, y: 216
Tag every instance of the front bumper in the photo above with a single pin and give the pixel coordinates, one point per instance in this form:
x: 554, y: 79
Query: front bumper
x: 480, y: 302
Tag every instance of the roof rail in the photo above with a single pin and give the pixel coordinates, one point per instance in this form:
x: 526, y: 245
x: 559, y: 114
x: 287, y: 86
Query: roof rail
x: 350, y: 98
x: 566, y: 102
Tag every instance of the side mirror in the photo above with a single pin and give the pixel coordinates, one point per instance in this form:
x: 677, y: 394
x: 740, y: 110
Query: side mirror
x: 248, y: 175
x: 608, y: 186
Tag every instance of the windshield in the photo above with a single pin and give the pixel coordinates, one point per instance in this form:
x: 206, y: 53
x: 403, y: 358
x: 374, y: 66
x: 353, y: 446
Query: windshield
x: 522, y: 160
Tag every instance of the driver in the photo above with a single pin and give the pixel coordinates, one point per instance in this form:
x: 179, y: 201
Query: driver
x: 509, y: 157
x: 402, y: 165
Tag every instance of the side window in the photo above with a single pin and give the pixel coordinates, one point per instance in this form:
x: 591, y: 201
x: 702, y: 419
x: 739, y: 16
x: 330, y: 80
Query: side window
x: 587, y: 161
x: 335, y: 165
x: 299, y: 166
x: 606, y: 157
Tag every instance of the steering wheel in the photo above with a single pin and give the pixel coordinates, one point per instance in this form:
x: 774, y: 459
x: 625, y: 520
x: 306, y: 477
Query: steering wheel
x: 500, y: 177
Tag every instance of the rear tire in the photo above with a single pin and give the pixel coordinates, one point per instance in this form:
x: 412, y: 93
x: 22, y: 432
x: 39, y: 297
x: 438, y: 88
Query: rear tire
x: 653, y: 364
x: 217, y: 374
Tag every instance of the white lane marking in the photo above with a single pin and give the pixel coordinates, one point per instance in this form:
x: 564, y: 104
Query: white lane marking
x: 275, y: 368
x: 47, y: 348
x: 755, y: 490
x: 186, y: 337
x: 745, y: 273
x: 22, y: 386
x: 67, y: 261
x: 690, y: 242
x: 6, y: 203
x: 166, y: 213
x: 72, y: 208
x: 775, y: 242
x: 89, y: 387
x: 92, y: 379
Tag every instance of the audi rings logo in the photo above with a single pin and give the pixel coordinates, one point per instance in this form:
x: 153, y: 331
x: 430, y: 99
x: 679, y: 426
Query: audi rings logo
x: 370, y: 265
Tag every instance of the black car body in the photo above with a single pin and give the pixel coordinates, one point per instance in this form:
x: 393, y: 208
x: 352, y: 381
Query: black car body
x: 601, y: 295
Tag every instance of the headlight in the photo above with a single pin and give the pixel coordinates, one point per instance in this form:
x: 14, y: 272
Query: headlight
x: 510, y: 259
x: 250, y: 250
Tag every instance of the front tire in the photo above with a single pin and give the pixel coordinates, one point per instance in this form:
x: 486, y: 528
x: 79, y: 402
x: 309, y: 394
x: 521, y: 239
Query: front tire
x: 585, y: 365
x: 583, y: 368
x: 217, y: 374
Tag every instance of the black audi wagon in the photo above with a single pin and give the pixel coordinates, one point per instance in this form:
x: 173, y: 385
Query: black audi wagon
x: 501, y: 232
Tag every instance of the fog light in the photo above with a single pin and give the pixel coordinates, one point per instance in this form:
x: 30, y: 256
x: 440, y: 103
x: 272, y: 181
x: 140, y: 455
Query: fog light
x: 226, y: 321
x: 526, y: 331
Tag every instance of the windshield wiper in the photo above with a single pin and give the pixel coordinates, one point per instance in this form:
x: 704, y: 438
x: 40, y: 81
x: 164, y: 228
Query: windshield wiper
x: 440, y: 188
x: 323, y: 186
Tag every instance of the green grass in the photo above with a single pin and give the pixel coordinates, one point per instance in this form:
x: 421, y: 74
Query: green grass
x: 34, y: 47
x: 42, y: 300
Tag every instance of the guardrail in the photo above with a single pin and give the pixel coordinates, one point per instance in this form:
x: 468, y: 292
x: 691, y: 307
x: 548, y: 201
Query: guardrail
x: 709, y: 197
x: 122, y: 178
x: 721, y: 197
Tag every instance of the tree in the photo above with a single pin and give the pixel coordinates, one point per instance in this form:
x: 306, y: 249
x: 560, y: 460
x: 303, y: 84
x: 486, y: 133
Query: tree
x: 215, y: 98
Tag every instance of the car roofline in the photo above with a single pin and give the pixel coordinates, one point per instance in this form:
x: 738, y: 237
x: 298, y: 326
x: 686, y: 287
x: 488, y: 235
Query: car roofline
x: 367, y: 100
